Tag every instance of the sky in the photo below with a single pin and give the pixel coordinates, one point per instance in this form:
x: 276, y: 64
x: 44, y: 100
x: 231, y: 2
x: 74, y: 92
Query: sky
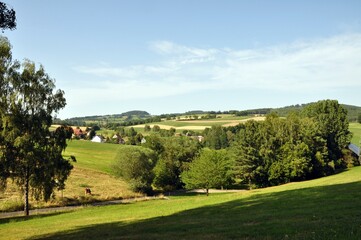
x: 160, y: 56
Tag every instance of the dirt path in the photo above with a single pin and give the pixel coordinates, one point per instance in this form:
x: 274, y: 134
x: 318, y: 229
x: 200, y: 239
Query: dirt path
x: 70, y: 208
x: 106, y: 203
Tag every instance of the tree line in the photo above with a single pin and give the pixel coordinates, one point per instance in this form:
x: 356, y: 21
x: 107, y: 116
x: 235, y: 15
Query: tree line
x: 304, y: 145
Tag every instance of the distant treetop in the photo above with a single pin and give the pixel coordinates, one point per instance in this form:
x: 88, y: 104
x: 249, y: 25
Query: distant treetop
x: 7, y: 17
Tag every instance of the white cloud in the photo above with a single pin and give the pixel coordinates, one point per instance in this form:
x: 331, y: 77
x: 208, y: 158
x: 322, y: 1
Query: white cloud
x: 315, y: 65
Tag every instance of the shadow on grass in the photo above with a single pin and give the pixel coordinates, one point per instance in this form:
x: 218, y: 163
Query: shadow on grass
x: 31, y: 217
x: 328, y: 212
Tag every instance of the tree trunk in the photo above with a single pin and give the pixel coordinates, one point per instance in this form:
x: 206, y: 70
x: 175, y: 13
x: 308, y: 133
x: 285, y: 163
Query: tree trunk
x: 26, y: 196
x: 207, y: 191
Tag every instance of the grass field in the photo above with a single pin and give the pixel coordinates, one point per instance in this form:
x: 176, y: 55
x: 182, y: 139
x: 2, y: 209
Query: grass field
x: 94, y: 156
x: 92, y: 170
x: 355, y: 128
x: 327, y: 208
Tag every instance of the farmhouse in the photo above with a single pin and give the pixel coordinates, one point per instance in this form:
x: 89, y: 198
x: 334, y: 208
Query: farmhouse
x: 78, y: 133
x: 98, y: 139
x: 118, y: 139
x: 355, y: 149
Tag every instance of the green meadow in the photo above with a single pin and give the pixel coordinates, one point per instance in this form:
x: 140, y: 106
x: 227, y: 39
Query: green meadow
x: 326, y: 208
x: 355, y: 128
x: 92, y: 169
x: 94, y: 156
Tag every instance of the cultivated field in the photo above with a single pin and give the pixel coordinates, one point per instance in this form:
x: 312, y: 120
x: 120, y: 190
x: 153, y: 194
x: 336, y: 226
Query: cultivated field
x: 327, y: 208
x: 224, y: 120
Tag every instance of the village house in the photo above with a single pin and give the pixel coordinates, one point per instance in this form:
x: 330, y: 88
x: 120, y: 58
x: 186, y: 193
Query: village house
x: 98, y: 139
x: 118, y: 139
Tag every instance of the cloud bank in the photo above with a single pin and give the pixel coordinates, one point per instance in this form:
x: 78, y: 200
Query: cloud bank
x: 312, y: 66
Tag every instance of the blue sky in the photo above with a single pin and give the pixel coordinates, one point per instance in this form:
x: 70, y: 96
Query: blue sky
x: 174, y: 56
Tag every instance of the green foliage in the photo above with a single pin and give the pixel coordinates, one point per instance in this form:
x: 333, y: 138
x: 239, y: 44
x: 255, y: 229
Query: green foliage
x: 154, y: 142
x: 134, y: 164
x: 29, y: 153
x: 280, y: 150
x: 177, y: 154
x: 216, y: 137
x: 359, y: 118
x: 7, y: 17
x: 147, y: 128
x: 248, y: 162
x: 211, y: 169
x: 333, y: 126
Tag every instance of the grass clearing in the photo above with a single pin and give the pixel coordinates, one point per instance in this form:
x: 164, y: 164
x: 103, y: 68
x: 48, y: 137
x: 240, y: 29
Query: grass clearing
x: 94, y: 156
x: 355, y: 128
x: 327, y: 208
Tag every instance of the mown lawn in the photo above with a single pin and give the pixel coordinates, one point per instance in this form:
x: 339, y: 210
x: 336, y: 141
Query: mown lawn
x: 327, y: 208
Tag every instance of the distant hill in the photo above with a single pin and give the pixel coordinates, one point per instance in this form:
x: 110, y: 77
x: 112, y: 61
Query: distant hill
x: 139, y: 117
x: 105, y: 119
x: 352, y: 111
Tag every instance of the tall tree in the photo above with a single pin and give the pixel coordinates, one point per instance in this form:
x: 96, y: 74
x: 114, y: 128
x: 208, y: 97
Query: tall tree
x: 216, y: 137
x: 7, y: 17
x: 333, y: 125
x: 177, y: 153
x: 29, y: 153
x: 248, y: 164
x: 210, y: 170
x: 134, y: 164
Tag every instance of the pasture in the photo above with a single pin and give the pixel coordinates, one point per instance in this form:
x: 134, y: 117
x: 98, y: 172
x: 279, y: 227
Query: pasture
x: 355, y: 128
x: 326, y: 208
x: 92, y: 170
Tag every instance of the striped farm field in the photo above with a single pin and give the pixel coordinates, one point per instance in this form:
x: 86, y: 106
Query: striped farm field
x: 199, y: 125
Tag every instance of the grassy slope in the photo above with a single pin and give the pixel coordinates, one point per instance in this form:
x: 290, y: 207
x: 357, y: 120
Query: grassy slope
x: 327, y: 208
x: 355, y: 128
x: 89, y: 155
x: 92, y: 169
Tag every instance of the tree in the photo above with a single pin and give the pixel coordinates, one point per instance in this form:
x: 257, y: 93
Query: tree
x: 248, y: 164
x: 147, y: 128
x: 154, y: 142
x: 359, y: 118
x: 29, y: 153
x: 216, y: 137
x: 156, y: 128
x: 135, y: 164
x: 333, y: 127
x: 7, y: 17
x: 177, y: 153
x: 210, y: 170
